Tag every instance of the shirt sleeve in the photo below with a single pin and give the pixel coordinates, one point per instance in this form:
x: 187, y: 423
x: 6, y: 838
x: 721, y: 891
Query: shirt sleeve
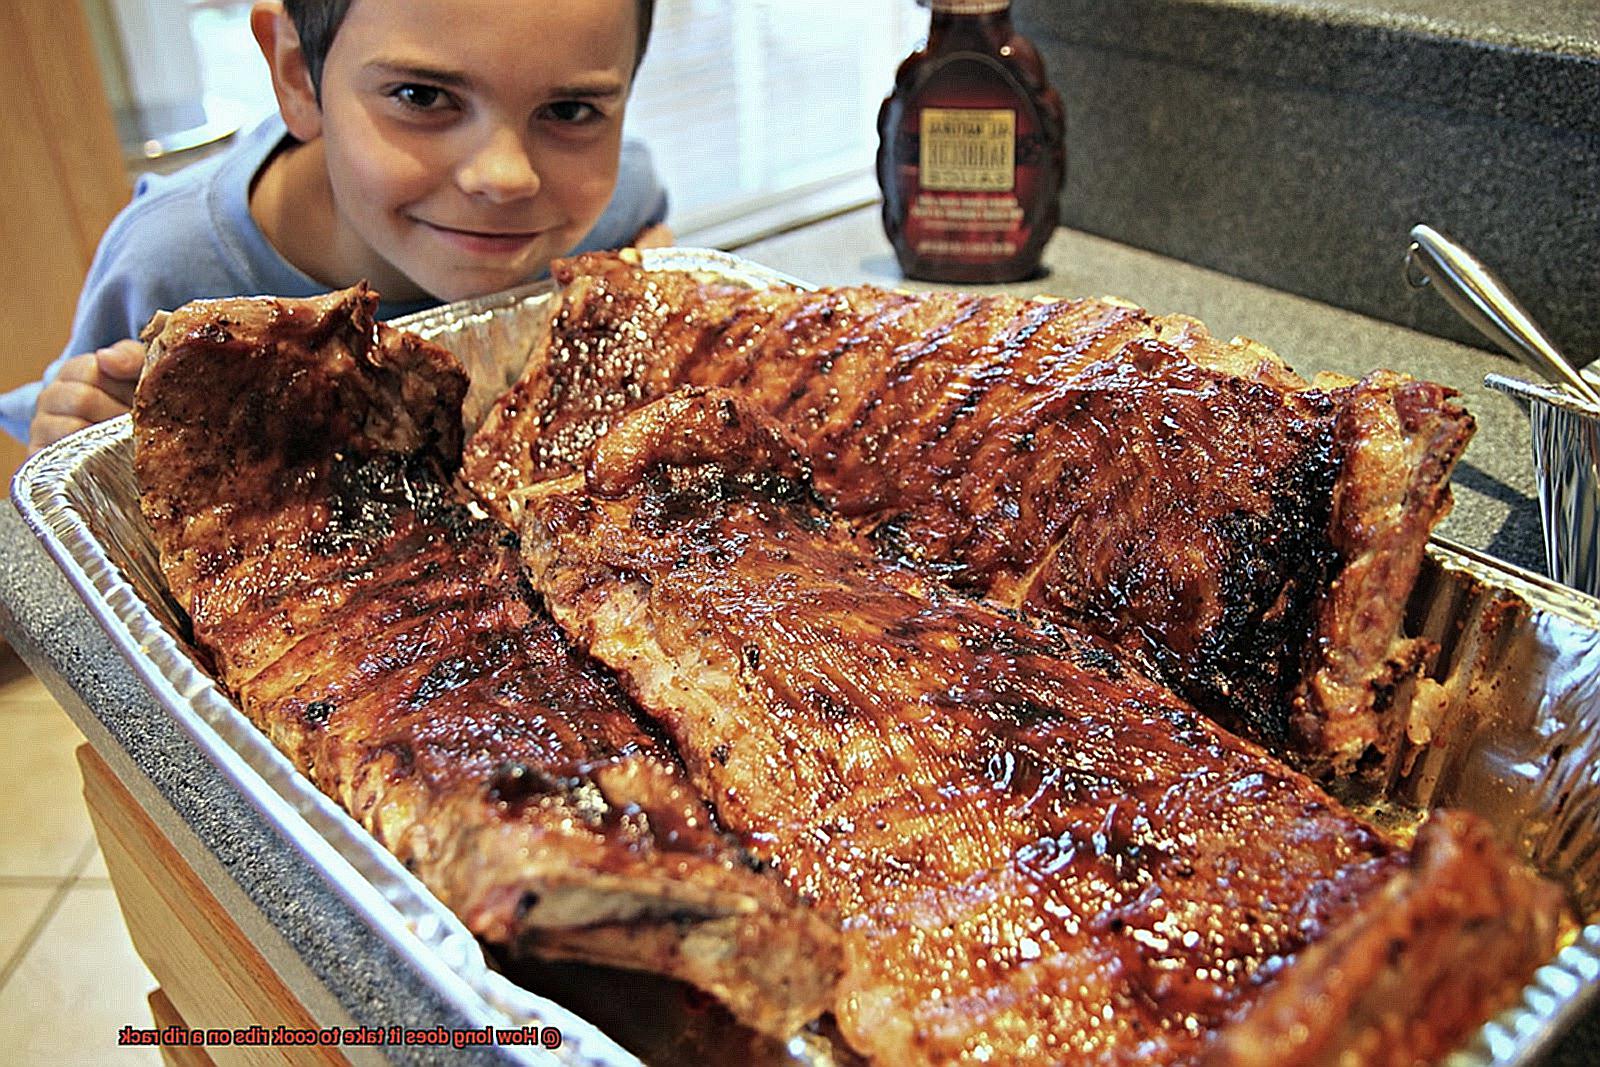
x: 16, y: 409
x: 639, y: 200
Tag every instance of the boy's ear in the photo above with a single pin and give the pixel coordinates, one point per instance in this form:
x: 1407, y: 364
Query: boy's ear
x: 291, y: 78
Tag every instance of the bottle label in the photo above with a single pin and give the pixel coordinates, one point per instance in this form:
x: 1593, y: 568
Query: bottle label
x: 971, y: 163
x: 965, y: 201
x: 970, y: 166
x: 965, y: 226
x: 968, y: 149
x: 970, y: 7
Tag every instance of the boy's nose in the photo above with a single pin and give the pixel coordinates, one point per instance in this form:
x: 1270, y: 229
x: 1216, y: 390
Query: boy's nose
x: 500, y: 169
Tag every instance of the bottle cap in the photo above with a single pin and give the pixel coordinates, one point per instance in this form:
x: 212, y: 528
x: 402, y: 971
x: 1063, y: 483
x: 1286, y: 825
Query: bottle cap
x: 970, y: 7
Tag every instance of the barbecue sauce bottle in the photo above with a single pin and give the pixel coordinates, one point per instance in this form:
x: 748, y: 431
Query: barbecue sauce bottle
x: 971, y: 150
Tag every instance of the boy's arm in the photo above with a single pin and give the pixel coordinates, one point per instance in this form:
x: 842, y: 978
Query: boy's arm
x: 16, y: 409
x: 658, y: 236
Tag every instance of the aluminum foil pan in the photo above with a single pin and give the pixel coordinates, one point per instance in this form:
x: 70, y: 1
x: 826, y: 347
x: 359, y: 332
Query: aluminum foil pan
x: 1517, y: 663
x: 1566, y: 460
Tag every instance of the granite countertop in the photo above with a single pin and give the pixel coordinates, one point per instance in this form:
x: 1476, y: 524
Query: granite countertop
x: 1532, y: 61
x: 1569, y: 27
x: 344, y: 971
x: 1296, y: 142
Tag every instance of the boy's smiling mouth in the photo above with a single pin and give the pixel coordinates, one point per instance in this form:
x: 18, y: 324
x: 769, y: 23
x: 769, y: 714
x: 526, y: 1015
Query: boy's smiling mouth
x: 483, y: 241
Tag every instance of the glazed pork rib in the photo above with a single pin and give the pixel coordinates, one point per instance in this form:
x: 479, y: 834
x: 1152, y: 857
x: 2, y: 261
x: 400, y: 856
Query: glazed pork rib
x: 1036, y: 855
x: 1251, y: 537
x: 294, y: 460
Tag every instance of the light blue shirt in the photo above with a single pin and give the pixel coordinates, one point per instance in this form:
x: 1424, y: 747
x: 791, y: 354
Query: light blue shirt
x: 190, y: 236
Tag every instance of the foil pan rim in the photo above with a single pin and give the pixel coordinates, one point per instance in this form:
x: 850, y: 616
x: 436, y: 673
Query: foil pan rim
x: 1540, y: 591
x: 725, y: 265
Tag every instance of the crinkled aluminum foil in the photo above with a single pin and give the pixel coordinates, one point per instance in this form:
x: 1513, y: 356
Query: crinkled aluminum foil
x: 1566, y: 460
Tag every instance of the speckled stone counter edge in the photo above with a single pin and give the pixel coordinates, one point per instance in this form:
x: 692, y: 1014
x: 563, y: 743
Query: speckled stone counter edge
x: 1455, y: 57
x: 1296, y: 144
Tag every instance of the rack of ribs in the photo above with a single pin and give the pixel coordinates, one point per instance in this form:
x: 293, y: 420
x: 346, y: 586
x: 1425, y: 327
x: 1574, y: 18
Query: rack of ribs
x: 294, y: 460
x: 1250, y: 538
x: 1036, y: 854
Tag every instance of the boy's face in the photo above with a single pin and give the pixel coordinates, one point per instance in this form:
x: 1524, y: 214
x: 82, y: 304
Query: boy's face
x: 469, y: 141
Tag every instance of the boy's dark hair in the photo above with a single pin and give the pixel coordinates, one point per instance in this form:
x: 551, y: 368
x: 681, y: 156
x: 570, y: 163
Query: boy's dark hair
x: 316, y: 22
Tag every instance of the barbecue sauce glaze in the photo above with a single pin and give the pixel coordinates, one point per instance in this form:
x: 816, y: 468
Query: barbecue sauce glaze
x: 971, y: 152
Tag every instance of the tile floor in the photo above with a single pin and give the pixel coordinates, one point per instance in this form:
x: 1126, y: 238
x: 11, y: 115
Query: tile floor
x: 69, y: 977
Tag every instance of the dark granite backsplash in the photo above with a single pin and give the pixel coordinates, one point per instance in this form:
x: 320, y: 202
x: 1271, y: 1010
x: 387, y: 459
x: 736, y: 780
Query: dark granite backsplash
x: 1295, y: 144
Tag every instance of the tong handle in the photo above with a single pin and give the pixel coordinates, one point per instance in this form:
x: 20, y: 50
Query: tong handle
x: 1483, y: 300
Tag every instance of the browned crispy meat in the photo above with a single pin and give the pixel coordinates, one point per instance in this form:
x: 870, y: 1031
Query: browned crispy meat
x: 1480, y: 923
x: 294, y: 460
x: 1037, y: 855
x: 1251, y: 537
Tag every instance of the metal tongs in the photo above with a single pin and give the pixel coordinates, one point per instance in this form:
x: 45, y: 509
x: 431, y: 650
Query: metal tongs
x: 1483, y: 300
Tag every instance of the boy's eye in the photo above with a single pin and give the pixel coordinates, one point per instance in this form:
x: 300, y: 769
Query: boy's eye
x: 571, y: 111
x: 420, y: 97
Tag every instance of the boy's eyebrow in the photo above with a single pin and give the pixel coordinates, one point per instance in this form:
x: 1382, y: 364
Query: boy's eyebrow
x: 452, y: 79
x: 591, y: 91
x: 602, y: 88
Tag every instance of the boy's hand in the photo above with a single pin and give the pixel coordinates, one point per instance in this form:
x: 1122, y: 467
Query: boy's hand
x: 91, y: 388
x: 657, y: 236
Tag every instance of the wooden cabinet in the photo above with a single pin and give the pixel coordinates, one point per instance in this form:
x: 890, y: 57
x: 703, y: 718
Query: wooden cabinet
x: 62, y: 176
x: 211, y: 975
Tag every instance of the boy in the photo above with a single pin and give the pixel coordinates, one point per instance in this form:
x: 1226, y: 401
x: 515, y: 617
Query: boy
x: 440, y: 149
